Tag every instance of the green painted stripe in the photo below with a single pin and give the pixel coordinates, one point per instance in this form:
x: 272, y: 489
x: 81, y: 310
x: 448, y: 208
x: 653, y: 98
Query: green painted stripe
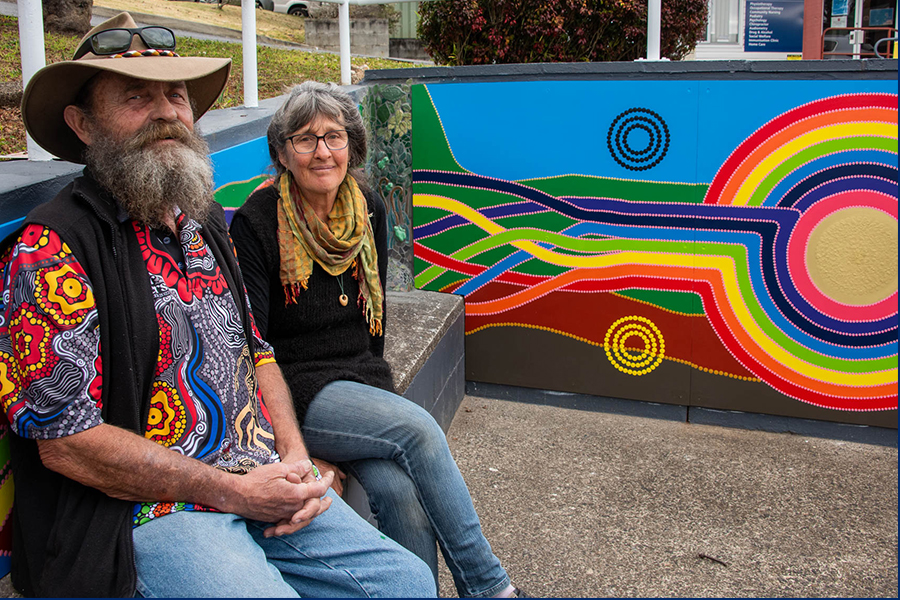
x: 623, y: 189
x: 432, y: 150
x: 233, y: 195
x: 687, y: 303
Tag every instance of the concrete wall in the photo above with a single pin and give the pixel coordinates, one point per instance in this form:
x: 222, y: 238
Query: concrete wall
x: 368, y: 37
x: 408, y: 48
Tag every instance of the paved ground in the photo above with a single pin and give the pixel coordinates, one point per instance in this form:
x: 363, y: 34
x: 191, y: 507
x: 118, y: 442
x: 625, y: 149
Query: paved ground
x: 584, y: 504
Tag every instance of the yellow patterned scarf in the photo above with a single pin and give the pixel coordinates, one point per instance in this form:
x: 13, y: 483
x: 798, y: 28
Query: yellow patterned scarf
x: 347, y: 241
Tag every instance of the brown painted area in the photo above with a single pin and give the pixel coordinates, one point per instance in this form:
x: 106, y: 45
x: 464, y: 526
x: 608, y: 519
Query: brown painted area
x: 545, y: 360
x: 715, y: 391
x: 709, y: 352
x: 687, y: 338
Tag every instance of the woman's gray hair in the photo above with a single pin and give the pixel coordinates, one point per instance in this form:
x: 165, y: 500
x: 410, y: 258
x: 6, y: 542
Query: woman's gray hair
x: 307, y: 102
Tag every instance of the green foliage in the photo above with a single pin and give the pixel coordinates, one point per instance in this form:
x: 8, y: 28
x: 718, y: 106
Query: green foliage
x: 477, y: 32
x: 387, y: 112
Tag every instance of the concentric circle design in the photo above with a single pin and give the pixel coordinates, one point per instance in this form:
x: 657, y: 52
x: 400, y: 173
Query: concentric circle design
x: 634, y: 345
x: 638, y: 139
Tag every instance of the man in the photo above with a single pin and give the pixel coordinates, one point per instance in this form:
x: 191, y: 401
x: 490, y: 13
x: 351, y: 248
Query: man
x: 157, y: 450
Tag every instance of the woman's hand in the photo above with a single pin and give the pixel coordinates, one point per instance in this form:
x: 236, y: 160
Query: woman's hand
x: 339, y: 476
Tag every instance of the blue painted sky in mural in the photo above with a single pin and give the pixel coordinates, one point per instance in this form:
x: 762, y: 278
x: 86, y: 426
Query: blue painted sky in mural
x: 511, y: 137
x: 240, y: 163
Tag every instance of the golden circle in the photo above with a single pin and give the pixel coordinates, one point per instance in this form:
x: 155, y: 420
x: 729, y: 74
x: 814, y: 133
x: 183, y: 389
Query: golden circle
x: 851, y: 256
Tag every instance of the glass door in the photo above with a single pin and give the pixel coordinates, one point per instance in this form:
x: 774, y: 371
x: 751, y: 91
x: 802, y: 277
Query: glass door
x: 853, y: 27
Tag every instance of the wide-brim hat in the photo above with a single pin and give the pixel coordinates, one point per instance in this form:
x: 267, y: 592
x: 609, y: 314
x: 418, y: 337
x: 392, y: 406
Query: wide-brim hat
x: 56, y: 86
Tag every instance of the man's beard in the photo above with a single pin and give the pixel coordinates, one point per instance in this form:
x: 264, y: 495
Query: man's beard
x: 149, y: 179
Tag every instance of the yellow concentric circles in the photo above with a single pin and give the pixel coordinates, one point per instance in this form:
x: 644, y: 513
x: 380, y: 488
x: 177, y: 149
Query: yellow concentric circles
x: 628, y: 359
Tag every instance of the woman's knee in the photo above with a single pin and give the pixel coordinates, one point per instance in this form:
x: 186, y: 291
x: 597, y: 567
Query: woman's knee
x: 390, y: 491
x: 427, y: 437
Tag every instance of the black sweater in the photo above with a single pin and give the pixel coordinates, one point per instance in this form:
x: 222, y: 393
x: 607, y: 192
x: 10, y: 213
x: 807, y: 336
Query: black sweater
x: 316, y: 341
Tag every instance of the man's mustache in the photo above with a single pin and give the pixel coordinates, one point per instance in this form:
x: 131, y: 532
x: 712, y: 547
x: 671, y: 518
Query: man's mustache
x: 156, y: 131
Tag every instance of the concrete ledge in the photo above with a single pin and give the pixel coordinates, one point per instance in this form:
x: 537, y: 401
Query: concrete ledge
x: 634, y: 408
x: 416, y: 321
x: 866, y: 69
x: 439, y: 383
x: 863, y: 434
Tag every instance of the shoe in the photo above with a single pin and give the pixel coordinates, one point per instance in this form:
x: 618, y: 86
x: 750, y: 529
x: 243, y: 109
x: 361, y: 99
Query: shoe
x: 517, y: 593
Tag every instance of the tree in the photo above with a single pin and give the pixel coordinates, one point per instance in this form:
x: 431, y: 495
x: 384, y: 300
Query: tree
x: 475, y: 32
x: 68, y: 17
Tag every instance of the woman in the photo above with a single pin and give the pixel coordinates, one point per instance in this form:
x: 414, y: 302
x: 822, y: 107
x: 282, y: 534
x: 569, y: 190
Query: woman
x: 313, y: 251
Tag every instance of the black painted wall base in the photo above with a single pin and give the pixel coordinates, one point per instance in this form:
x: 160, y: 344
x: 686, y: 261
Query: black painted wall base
x: 863, y: 434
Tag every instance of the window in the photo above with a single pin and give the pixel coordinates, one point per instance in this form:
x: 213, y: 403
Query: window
x: 723, y: 22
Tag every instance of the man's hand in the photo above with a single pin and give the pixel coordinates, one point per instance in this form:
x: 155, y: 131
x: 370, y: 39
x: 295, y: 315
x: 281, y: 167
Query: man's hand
x: 299, y: 473
x: 130, y: 467
x: 279, y: 492
x: 299, y: 520
x: 339, y: 476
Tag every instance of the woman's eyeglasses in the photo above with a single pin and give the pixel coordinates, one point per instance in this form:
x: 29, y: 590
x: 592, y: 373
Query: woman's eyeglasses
x: 114, y: 41
x: 304, y: 143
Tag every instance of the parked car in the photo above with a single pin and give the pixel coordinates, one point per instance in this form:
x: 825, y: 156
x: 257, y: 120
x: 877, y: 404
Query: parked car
x: 265, y: 4
x: 292, y: 7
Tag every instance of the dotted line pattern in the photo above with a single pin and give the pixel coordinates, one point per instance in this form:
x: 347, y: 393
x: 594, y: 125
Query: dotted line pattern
x: 593, y: 343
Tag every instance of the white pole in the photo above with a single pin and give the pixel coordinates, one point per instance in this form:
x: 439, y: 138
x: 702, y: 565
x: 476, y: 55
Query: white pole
x: 31, y: 39
x: 248, y: 43
x: 653, y: 28
x: 344, y: 27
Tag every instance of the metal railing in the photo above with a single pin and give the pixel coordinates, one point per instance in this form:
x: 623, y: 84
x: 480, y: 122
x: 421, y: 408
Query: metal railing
x: 856, y: 43
x: 890, y: 53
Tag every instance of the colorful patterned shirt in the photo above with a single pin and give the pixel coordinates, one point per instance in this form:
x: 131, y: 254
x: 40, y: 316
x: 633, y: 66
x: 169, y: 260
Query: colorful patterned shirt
x: 204, y: 402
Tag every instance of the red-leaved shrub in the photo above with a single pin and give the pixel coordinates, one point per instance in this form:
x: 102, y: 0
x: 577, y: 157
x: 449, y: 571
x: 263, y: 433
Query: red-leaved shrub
x: 478, y: 32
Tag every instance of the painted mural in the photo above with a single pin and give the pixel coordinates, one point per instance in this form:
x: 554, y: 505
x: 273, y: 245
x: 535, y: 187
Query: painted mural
x: 722, y: 244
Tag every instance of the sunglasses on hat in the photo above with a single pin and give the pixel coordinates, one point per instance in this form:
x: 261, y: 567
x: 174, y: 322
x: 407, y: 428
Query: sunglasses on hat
x: 115, y: 41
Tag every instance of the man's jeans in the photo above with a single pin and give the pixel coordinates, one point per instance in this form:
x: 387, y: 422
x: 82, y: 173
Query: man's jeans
x: 206, y: 554
x: 415, y: 489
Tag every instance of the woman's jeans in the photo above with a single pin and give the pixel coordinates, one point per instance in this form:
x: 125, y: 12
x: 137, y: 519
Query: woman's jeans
x: 400, y: 456
x: 221, y: 555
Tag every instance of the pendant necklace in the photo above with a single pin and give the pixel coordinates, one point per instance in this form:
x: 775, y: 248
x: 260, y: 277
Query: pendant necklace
x: 343, y: 299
